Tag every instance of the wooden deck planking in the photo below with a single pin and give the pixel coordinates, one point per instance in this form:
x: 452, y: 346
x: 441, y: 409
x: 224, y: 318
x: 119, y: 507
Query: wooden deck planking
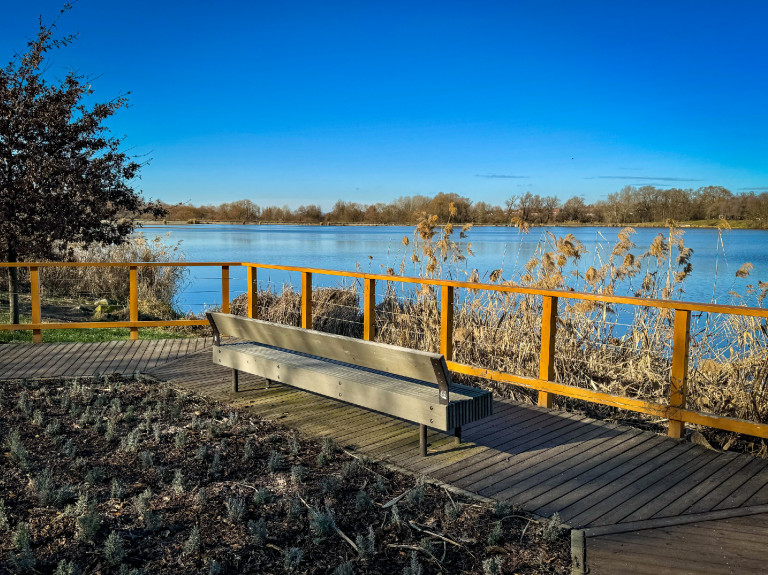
x: 704, y: 484
x: 652, y: 490
x: 716, y: 496
x: 617, y: 492
x: 55, y: 355
x: 15, y: 365
x: 724, y: 546
x: 565, y: 469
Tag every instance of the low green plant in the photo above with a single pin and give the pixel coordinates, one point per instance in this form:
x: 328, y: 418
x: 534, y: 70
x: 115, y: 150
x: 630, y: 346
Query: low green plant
x: 67, y: 568
x: 117, y: 490
x: 146, y: 459
x: 366, y: 545
x: 236, y: 509
x: 215, y: 568
x: 215, y: 469
x: 491, y: 566
x: 258, y: 531
x: 202, y: 496
x: 552, y: 528
x: 299, y: 473
x: 292, y: 559
x: 192, y: 544
x: 178, y: 482
x: 363, y: 502
x: 18, y: 454
x: 502, y: 509
x: 37, y: 418
x: 276, y: 461
x: 414, y: 567
x: 496, y: 534
x: 262, y: 496
x: 344, y: 569
x: 321, y: 522
x: 88, y: 525
x: 94, y: 476
x: 181, y: 438
x: 453, y: 510
x: 114, y: 552
x: 4, y: 524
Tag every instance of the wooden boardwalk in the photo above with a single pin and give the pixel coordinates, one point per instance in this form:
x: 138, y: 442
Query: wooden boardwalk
x: 18, y: 360
x: 645, y: 501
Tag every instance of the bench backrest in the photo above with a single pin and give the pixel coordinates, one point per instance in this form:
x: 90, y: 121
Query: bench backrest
x: 402, y: 361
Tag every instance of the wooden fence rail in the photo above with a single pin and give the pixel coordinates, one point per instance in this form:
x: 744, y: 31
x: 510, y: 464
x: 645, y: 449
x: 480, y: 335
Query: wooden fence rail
x: 675, y: 410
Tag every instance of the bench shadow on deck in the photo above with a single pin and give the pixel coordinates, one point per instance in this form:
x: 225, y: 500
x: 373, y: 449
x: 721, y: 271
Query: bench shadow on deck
x: 647, y: 503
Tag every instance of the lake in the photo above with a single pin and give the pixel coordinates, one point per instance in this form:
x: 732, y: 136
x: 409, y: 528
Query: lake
x: 376, y: 248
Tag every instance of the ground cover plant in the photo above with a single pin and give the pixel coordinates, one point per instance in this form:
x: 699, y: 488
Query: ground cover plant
x: 110, y: 475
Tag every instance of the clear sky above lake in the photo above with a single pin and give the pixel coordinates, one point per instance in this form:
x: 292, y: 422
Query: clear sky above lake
x: 310, y: 102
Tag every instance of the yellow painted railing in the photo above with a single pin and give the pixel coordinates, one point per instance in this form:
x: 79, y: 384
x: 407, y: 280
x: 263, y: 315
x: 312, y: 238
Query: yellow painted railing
x: 675, y: 410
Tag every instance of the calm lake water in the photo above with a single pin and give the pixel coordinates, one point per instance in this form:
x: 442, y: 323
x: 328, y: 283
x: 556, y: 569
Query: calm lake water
x: 374, y: 249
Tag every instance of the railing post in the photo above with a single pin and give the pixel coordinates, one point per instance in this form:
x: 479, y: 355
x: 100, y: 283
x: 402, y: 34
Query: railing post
x: 369, y: 309
x: 225, y: 289
x: 34, y: 280
x: 678, y: 384
x: 446, y: 322
x: 547, y: 357
x: 306, y: 300
x: 134, y: 300
x: 251, y: 292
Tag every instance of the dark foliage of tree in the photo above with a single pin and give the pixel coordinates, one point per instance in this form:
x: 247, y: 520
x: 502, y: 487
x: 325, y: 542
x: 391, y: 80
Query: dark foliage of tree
x: 63, y: 177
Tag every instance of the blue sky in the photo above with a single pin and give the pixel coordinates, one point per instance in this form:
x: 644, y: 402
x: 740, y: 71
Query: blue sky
x: 310, y: 102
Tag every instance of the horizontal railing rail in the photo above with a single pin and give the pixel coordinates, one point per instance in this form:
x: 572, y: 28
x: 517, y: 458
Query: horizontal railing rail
x: 674, y: 411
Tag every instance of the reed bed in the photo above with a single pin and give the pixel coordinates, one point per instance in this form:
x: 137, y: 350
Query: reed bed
x: 621, y: 350
x: 157, y: 287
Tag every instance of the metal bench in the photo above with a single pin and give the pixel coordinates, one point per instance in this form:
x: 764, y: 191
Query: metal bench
x: 405, y: 383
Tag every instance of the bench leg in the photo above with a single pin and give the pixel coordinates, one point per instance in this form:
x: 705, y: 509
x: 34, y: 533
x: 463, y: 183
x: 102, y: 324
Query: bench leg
x: 423, y: 440
x: 235, y: 381
x: 457, y: 434
x: 268, y: 382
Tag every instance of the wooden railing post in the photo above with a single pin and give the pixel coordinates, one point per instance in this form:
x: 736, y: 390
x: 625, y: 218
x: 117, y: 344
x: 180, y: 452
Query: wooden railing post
x: 306, y: 300
x: 34, y: 280
x: 369, y: 309
x: 134, y: 300
x: 446, y: 322
x: 678, y: 384
x: 251, y: 292
x: 225, y: 289
x: 547, y: 357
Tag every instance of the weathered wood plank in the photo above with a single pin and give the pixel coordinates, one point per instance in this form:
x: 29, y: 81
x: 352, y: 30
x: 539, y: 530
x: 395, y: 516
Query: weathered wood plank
x: 650, y: 489
x: 607, y: 472
x: 617, y: 493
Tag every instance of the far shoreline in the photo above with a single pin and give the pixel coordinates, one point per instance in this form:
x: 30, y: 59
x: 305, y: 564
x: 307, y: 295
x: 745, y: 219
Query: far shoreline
x: 701, y: 224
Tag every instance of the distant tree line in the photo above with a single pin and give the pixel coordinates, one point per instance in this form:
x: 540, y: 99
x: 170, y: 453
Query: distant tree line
x: 645, y: 204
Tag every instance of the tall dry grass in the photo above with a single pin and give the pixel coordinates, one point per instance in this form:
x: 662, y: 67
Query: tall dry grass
x: 157, y: 287
x: 622, y: 350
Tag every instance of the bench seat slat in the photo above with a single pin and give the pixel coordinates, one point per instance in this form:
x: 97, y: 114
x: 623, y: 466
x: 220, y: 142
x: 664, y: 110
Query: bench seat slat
x: 387, y: 393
